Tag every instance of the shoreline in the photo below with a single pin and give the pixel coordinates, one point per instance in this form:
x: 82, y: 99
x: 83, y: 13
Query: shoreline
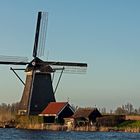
x: 52, y: 127
x: 80, y: 129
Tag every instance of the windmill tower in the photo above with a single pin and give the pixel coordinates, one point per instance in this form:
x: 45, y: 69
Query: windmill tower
x: 38, y: 90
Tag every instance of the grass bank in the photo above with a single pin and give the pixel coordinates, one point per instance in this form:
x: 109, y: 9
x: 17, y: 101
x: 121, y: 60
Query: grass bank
x: 129, y: 123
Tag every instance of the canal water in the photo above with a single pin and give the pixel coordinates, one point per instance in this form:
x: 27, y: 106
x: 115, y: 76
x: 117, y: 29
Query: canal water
x: 19, y: 134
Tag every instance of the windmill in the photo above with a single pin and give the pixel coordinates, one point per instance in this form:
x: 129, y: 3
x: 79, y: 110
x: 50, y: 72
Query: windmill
x: 38, y: 90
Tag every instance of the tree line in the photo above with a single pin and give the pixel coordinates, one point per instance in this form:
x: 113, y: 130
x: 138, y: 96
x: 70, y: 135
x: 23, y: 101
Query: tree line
x: 126, y: 109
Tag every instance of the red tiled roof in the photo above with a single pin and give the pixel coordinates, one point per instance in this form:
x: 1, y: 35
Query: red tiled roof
x: 54, y: 108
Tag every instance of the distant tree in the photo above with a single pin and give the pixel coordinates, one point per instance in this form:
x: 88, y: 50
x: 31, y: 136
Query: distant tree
x: 126, y: 109
x: 14, y: 107
x: 8, y: 111
x: 103, y: 110
x: 111, y: 111
x: 120, y: 111
x: 138, y: 110
x: 129, y: 108
x: 135, y: 111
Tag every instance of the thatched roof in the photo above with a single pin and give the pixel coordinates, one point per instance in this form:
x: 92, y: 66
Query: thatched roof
x: 84, y: 112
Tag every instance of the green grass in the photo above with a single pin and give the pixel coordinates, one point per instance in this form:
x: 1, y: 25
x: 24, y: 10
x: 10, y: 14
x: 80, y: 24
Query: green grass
x: 132, y: 124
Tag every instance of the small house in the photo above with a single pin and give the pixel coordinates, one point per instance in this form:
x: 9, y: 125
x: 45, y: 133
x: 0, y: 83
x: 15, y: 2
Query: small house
x: 86, y: 116
x: 55, y: 112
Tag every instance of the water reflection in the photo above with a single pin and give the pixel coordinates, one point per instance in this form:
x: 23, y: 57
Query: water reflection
x: 20, y: 134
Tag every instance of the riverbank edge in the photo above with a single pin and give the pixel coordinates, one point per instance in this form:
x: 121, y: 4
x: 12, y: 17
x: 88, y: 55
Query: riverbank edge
x: 56, y: 127
x: 82, y: 128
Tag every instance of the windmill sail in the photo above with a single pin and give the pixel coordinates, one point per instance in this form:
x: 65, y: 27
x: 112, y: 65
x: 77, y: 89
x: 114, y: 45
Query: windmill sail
x: 13, y: 60
x: 40, y: 35
x: 68, y: 67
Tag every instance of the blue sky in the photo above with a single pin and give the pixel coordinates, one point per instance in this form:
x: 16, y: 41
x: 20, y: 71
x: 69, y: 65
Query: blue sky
x: 103, y: 33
